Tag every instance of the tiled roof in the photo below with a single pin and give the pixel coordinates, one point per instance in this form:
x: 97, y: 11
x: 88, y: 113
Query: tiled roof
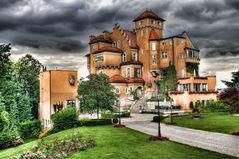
x: 120, y: 79
x: 131, y: 63
x: 117, y: 79
x: 108, y: 48
x: 153, y: 35
x: 135, y: 80
x: 100, y: 38
x: 148, y: 14
x: 132, y: 37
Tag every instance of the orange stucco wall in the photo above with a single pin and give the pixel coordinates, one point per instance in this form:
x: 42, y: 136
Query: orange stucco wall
x: 54, y: 89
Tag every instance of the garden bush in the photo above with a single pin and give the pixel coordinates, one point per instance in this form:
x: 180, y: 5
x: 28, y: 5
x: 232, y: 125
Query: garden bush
x: 94, y: 122
x: 214, y: 106
x: 30, y: 129
x: 9, y: 136
x: 156, y: 118
x: 65, y: 119
x: 109, y: 115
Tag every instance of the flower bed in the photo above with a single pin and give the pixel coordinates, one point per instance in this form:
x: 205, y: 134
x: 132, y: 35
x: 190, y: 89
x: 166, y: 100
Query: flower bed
x: 158, y: 138
x: 118, y: 126
x: 57, y: 149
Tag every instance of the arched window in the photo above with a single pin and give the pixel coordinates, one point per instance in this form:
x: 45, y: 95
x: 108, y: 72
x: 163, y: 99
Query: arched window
x: 124, y: 57
x: 117, y: 91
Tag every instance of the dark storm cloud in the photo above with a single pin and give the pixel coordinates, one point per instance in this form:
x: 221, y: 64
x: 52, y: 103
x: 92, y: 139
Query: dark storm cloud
x: 65, y: 27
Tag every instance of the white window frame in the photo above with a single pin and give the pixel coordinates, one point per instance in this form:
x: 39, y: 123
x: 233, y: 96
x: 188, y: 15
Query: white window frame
x: 154, y: 59
x: 128, y: 72
x: 124, y: 58
x: 153, y: 46
x: 117, y: 90
x: 126, y: 91
x: 164, y: 55
x: 134, y: 56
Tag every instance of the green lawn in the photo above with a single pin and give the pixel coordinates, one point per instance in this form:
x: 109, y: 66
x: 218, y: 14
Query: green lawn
x: 123, y: 143
x: 221, y: 122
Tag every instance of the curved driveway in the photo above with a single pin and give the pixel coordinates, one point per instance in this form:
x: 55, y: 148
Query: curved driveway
x: 222, y: 143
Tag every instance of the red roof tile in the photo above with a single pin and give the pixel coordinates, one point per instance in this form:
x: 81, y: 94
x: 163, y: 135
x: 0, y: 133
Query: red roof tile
x: 148, y: 14
x: 131, y: 63
x: 135, y: 80
x: 100, y: 38
x: 153, y: 35
x: 108, y: 48
x: 117, y: 79
x: 132, y: 37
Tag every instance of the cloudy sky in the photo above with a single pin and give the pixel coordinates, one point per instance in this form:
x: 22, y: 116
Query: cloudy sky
x: 56, y: 31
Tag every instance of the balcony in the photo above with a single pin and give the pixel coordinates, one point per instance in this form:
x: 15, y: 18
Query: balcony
x: 195, y: 60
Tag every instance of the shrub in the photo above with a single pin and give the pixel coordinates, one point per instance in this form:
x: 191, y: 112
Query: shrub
x: 65, y: 119
x: 57, y: 149
x: 108, y: 115
x: 94, y: 122
x: 156, y: 118
x: 215, y: 106
x: 30, y: 129
x: 45, y: 133
x: 9, y: 136
x: 125, y: 114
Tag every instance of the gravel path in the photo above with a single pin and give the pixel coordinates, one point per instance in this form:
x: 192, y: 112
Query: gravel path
x: 222, y: 143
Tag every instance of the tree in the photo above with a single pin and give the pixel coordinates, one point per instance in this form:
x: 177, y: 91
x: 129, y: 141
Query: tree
x: 96, y: 94
x: 4, y: 58
x: 230, y: 96
x: 235, y: 80
x: 27, y: 70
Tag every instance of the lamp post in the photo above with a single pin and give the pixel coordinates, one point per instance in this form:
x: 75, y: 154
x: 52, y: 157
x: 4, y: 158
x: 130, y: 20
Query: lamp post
x: 119, y: 112
x: 159, y: 129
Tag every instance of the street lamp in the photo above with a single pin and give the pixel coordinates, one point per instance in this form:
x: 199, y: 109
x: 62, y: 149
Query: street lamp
x: 119, y: 112
x: 159, y: 129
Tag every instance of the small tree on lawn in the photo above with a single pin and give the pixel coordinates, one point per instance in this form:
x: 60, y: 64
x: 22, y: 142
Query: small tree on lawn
x: 230, y: 96
x: 96, y: 94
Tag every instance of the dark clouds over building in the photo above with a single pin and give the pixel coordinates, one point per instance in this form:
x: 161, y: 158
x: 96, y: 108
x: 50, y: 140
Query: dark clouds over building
x: 56, y: 31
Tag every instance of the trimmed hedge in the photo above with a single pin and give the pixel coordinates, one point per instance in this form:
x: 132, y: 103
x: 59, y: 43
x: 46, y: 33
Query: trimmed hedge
x: 30, y: 129
x: 65, y: 119
x: 107, y: 115
x: 156, y: 118
x: 94, y: 122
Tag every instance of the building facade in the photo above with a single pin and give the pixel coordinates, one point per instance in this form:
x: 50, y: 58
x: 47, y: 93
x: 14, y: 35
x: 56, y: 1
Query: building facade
x: 134, y: 59
x: 58, y: 90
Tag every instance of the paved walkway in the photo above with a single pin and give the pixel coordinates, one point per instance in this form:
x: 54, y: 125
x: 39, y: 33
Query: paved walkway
x: 222, y: 143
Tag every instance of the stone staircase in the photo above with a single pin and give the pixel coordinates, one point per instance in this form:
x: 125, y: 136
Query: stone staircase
x: 135, y: 108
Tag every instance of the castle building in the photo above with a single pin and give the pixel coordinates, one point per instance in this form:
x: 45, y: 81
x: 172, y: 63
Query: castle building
x: 58, y: 90
x: 134, y: 59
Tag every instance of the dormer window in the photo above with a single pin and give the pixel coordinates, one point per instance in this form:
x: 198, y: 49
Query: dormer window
x: 118, y: 44
x: 134, y: 56
x: 124, y: 57
x: 153, y: 46
x: 141, y: 22
x: 114, y: 44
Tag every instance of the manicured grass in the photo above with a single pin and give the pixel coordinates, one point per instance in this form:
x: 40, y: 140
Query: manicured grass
x: 221, y: 122
x: 123, y: 143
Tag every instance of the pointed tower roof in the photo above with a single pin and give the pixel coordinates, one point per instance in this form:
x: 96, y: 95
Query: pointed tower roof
x: 153, y: 35
x: 148, y: 14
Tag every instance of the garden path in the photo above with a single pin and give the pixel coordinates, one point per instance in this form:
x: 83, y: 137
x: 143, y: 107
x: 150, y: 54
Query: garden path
x: 222, y: 143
